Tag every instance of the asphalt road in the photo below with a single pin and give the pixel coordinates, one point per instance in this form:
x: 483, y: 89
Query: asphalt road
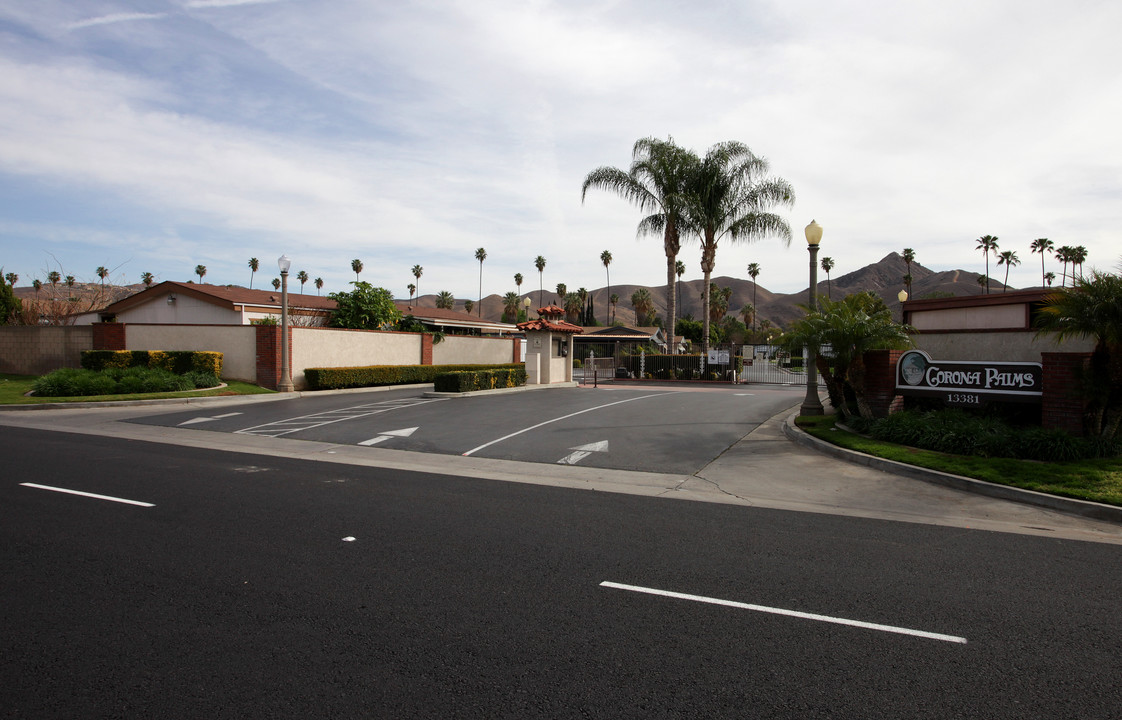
x: 650, y: 428
x: 271, y: 587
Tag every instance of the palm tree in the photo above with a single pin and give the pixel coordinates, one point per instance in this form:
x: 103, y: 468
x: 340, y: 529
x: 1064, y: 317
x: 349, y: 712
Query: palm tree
x: 606, y: 260
x: 753, y: 272
x: 412, y: 289
x: 1009, y: 259
x: 417, y: 271
x: 1078, y: 256
x: 1091, y: 309
x: 103, y: 272
x: 573, y: 306
x: 1064, y: 254
x: 644, y: 305
x: 254, y: 264
x: 656, y: 183
x: 480, y: 255
x: 276, y: 283
x: 510, y: 307
x: 37, y: 284
x: 539, y: 263
x: 200, y: 270
x: 303, y: 278
x: 53, y: 277
x: 909, y: 258
x: 614, y: 300
x: 748, y: 315
x: 356, y: 267
x: 445, y: 300
x: 828, y: 265
x: 983, y: 281
x: 987, y: 244
x: 70, y: 286
x: 1041, y: 245
x: 318, y: 282
x: 12, y: 278
x: 468, y: 305
x: 147, y: 278
x: 1049, y: 278
x: 562, y: 289
x: 851, y: 326
x: 729, y: 194
x: 719, y: 302
x: 518, y: 282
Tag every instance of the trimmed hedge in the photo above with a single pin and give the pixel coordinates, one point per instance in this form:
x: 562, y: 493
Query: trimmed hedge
x: 179, y: 362
x: 352, y: 377
x: 71, y: 382
x: 490, y: 379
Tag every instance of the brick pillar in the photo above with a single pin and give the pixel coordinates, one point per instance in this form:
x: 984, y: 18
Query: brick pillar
x: 880, y: 381
x: 1063, y: 402
x: 109, y: 336
x: 268, y: 356
x: 426, y: 349
x: 517, y: 350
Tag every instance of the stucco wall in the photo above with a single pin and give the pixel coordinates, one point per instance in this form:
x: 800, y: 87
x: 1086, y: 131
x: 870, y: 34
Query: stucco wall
x: 32, y: 350
x: 237, y: 343
x: 185, y: 310
x: 324, y: 347
x: 460, y: 349
x: 1003, y: 346
x: 971, y: 318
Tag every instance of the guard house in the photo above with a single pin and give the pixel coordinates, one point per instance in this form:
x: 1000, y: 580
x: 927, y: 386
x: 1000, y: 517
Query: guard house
x: 549, y: 347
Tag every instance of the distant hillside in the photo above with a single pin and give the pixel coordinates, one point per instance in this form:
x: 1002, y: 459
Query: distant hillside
x: 885, y: 278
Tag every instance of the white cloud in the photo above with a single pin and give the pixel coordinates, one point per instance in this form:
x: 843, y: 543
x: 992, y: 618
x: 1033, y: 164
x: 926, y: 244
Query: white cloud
x: 114, y: 18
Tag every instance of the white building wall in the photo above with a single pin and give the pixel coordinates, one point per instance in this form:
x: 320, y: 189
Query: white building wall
x: 237, y: 343
x: 185, y: 310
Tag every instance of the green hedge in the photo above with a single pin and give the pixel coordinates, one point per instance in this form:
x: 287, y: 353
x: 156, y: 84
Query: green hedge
x: 489, y: 379
x: 179, y: 362
x: 352, y: 377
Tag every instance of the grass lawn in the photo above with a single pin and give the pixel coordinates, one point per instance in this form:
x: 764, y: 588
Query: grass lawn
x: 14, y: 387
x: 1097, y: 480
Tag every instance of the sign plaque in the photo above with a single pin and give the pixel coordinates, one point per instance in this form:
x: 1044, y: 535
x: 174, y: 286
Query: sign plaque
x: 968, y: 383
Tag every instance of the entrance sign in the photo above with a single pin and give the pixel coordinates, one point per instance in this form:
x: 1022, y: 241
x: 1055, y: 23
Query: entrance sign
x: 968, y: 382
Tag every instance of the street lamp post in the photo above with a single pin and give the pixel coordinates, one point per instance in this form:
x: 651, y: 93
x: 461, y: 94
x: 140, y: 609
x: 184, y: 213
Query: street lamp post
x: 811, y: 404
x: 285, y: 384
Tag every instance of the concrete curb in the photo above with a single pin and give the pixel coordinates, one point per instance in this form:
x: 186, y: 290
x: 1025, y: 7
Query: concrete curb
x: 499, y: 391
x: 1073, y: 506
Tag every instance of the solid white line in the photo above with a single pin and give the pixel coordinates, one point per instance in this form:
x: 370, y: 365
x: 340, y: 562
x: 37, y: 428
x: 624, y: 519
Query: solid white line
x: 563, y: 417
x: 89, y: 495
x: 788, y: 613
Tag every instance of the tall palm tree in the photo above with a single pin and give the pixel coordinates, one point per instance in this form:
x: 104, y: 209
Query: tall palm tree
x: 200, y: 270
x: 1042, y: 246
x: 539, y: 263
x: 614, y: 300
x: 103, y: 272
x: 417, y: 270
x: 730, y: 194
x: 828, y: 265
x: 754, y: 272
x: 518, y: 282
x: 53, y: 277
x: 147, y: 278
x: 412, y: 289
x: 987, y: 244
x: 1079, y: 256
x: 302, y: 276
x: 38, y: 285
x: 909, y: 257
x: 318, y: 282
x: 356, y: 267
x: 254, y: 264
x: 606, y: 260
x: 444, y: 300
x: 1009, y: 259
x: 656, y: 183
x: 510, y: 307
x: 1064, y: 254
x: 1090, y: 309
x: 70, y: 286
x: 480, y: 255
x: 562, y: 291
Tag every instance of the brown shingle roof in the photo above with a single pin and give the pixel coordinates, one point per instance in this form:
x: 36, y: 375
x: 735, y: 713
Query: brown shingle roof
x: 223, y: 295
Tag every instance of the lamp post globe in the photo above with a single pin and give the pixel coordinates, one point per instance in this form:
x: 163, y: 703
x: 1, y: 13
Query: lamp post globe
x: 812, y: 405
x: 285, y: 383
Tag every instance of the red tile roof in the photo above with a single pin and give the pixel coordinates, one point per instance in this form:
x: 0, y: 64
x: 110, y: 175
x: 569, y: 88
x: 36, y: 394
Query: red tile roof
x: 224, y: 295
x: 543, y: 323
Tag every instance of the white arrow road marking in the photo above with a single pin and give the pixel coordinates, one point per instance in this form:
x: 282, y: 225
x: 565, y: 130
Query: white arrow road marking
x: 581, y: 452
x: 192, y: 421
x: 386, y: 435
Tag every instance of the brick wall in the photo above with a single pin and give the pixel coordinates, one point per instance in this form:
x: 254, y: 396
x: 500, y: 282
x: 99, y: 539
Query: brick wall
x: 109, y: 336
x: 1064, y: 405
x: 880, y: 381
x: 268, y: 356
x: 426, y: 349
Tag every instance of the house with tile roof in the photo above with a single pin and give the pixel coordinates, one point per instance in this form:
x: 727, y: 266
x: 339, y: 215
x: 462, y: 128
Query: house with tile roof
x: 181, y: 303
x: 455, y: 322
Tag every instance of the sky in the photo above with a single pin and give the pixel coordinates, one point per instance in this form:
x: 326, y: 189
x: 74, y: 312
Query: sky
x: 157, y: 135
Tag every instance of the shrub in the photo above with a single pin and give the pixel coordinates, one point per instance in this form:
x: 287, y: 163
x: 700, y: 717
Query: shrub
x: 175, y: 361
x: 352, y: 377
x: 70, y: 382
x: 489, y: 379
